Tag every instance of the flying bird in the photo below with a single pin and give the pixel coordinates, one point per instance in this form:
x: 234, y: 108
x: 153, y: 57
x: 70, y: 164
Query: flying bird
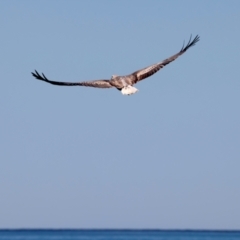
x: 124, y: 83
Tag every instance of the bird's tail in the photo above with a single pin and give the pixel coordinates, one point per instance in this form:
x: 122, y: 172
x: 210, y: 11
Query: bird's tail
x: 129, y: 90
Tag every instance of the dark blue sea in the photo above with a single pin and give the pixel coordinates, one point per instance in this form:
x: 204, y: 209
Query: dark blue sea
x: 117, y: 235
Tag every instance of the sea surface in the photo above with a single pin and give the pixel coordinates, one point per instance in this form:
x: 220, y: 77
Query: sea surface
x: 117, y: 235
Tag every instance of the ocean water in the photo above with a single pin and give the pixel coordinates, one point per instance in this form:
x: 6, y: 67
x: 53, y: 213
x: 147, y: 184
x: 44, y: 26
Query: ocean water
x: 117, y: 235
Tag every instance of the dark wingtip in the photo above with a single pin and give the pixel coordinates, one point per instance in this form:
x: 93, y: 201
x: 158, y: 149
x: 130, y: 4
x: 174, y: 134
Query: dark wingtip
x: 38, y: 76
x: 35, y: 74
x: 190, y: 43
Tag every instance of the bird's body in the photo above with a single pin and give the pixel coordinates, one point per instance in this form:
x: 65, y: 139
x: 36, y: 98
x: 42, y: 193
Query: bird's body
x: 123, y: 83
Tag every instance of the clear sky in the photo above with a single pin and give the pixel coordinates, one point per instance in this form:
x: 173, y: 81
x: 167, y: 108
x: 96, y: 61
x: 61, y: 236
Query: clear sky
x: 74, y: 157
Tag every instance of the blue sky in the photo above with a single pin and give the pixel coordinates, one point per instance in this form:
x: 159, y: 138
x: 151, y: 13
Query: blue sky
x: 74, y: 157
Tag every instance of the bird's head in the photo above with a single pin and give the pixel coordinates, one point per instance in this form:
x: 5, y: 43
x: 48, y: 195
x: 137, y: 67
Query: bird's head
x: 114, y: 76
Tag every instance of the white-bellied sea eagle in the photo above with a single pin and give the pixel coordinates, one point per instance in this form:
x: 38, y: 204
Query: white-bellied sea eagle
x: 123, y: 83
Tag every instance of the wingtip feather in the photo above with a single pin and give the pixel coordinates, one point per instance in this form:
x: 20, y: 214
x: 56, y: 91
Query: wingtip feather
x: 38, y: 76
x: 190, y: 43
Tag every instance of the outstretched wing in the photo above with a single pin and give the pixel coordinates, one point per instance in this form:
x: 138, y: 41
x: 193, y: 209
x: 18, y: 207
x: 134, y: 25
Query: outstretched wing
x: 148, y: 71
x: 96, y: 83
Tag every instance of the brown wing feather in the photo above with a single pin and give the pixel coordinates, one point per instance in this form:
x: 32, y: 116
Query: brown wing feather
x: 96, y: 83
x: 148, y: 71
